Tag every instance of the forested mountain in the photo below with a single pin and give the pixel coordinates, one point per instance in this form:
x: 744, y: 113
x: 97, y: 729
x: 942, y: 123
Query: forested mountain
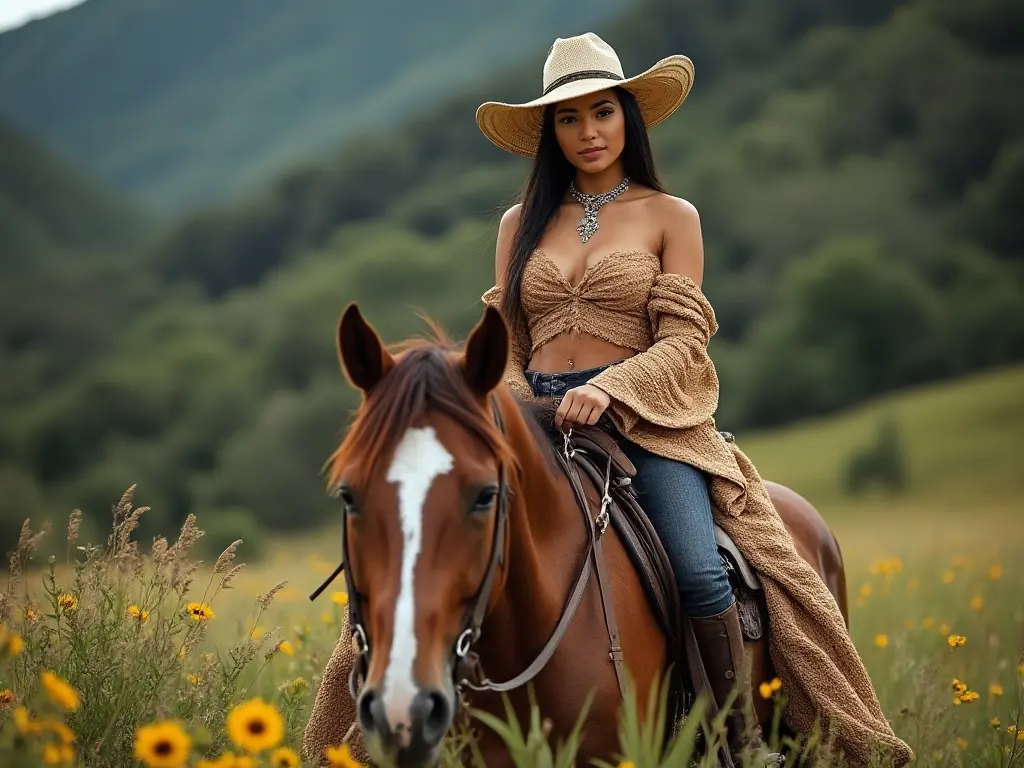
x: 51, y: 213
x: 182, y: 101
x: 858, y: 168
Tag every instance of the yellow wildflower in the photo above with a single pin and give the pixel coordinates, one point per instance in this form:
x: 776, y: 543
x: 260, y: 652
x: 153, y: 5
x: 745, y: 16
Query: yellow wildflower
x: 928, y: 622
x: 283, y: 757
x: 162, y: 745
x: 626, y: 764
x: 944, y: 630
x: 58, y: 754
x: 341, y: 757
x: 881, y: 640
x: 32, y: 615
x: 65, y: 734
x: 995, y: 689
x: 194, y: 679
x: 60, y: 693
x: 958, y: 686
x: 865, y: 590
x: 138, y: 613
x: 955, y: 641
x: 257, y: 633
x: 10, y: 643
x: 968, y: 696
x: 961, y: 742
x: 327, y: 618
x: 948, y: 577
x: 67, y: 601
x: 1020, y: 669
x: 995, y: 722
x: 200, y: 611
x: 995, y: 571
x: 286, y: 648
x: 340, y: 598
x: 255, y: 726
x: 22, y: 720
x: 977, y: 602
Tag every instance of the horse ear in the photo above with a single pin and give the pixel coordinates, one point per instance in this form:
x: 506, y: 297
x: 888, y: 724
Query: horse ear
x: 486, y: 355
x: 364, y: 360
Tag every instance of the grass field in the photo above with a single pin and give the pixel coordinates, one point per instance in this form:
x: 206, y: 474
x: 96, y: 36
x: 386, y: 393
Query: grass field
x: 943, y: 558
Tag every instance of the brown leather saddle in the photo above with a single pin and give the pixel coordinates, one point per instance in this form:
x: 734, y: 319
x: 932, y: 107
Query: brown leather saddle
x: 598, y: 456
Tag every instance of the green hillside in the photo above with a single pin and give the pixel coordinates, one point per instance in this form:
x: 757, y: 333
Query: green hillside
x: 50, y: 210
x: 857, y: 205
x: 959, y: 443
x: 181, y: 101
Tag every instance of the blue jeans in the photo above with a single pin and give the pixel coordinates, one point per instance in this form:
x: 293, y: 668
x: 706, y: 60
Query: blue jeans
x: 675, y: 497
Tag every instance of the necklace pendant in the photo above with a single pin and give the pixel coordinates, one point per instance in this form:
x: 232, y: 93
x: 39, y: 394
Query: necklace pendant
x: 588, y: 225
x: 591, y: 204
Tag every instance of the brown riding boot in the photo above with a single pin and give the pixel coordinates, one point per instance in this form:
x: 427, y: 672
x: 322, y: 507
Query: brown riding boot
x: 720, y: 640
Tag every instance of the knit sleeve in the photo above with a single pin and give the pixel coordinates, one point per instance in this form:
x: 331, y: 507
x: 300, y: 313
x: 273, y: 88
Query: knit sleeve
x: 673, y: 383
x: 519, y: 352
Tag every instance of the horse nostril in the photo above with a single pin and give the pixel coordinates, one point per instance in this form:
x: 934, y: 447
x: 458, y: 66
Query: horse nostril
x: 433, y: 712
x: 370, y: 713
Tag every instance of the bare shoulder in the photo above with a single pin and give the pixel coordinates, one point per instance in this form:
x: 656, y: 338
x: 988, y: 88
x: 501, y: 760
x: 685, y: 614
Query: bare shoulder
x: 682, y: 243
x: 510, y: 218
x: 671, y: 211
x: 503, y: 247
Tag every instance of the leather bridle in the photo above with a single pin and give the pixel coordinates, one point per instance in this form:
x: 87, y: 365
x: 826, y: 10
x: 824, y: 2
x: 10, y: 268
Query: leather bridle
x: 464, y: 662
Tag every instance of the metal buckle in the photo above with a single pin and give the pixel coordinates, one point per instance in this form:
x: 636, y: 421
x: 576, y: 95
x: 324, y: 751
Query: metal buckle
x: 568, y: 449
x: 362, y: 644
x: 466, y: 639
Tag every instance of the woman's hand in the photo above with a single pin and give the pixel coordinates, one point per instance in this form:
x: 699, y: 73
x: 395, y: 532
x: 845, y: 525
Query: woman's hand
x: 581, y: 405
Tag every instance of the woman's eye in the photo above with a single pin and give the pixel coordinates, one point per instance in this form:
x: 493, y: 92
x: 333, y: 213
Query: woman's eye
x: 485, y: 499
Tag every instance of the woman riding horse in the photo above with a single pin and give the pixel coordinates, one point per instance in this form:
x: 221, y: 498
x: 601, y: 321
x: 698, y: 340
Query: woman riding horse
x: 598, y: 276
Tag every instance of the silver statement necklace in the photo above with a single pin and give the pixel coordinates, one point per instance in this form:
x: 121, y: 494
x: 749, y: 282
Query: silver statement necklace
x: 591, y: 205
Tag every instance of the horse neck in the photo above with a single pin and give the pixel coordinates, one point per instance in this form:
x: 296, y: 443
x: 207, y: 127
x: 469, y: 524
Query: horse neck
x: 540, y: 531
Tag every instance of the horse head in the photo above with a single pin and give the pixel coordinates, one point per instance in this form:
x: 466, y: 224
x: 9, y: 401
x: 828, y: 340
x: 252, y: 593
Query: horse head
x: 421, y: 475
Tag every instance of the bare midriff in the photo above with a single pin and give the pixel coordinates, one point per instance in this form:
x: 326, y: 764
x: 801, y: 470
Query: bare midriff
x: 580, y: 349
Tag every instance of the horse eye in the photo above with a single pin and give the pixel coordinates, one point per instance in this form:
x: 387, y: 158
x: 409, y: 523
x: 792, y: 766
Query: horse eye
x: 347, y: 499
x: 485, y: 499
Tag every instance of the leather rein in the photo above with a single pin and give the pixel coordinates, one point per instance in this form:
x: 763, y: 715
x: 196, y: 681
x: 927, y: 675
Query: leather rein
x: 465, y: 663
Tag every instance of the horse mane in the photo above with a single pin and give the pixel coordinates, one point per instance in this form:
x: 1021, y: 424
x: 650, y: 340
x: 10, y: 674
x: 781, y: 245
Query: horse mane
x: 426, y: 378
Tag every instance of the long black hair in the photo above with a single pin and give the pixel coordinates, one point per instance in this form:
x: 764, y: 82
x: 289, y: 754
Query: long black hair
x: 546, y: 188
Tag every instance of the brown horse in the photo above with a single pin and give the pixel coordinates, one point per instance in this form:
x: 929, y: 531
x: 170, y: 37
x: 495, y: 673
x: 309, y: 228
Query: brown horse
x: 462, y: 528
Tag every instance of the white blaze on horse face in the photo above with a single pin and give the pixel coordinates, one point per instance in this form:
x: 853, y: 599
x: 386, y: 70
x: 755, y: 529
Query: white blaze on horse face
x: 419, y: 459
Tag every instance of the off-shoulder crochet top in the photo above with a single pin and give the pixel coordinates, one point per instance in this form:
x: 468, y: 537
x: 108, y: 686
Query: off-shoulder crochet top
x: 609, y: 302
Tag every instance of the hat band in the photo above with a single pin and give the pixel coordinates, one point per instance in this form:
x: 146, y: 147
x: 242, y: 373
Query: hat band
x: 587, y: 74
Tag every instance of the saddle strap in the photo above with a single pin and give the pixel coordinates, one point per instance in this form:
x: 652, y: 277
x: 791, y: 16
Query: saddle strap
x: 604, y: 586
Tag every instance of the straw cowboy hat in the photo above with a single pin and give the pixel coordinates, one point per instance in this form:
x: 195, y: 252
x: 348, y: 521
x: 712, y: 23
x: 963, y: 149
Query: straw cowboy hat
x: 575, y: 67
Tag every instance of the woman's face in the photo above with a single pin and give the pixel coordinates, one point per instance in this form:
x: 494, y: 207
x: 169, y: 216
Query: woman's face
x: 591, y: 130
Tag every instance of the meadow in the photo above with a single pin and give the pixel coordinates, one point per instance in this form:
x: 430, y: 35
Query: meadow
x: 130, y: 651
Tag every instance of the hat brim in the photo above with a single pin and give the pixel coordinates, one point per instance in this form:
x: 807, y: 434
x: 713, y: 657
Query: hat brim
x: 659, y: 92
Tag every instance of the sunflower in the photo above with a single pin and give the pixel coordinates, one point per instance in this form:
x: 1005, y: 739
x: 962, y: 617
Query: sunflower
x: 162, y: 745
x: 60, y: 693
x: 341, y: 757
x: 255, y: 726
x: 200, y: 611
x: 283, y: 757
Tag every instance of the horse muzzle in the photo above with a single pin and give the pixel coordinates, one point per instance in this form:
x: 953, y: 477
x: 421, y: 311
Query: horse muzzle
x: 411, y: 739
